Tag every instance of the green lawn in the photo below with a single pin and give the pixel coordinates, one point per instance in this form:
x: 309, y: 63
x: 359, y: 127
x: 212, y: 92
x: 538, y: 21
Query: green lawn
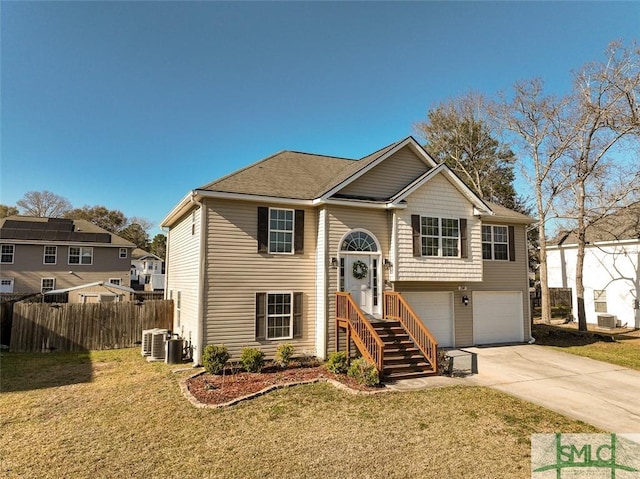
x: 624, y: 351
x: 112, y: 414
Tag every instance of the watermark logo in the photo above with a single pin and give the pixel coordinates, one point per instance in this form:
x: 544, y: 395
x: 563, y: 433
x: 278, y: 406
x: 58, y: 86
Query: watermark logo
x: 564, y: 456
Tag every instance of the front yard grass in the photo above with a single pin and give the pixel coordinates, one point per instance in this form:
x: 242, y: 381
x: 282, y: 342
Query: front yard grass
x: 620, y: 349
x: 112, y: 414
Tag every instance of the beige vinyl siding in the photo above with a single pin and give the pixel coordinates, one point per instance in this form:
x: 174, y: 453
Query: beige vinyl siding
x: 342, y: 220
x: 498, y: 276
x: 438, y: 197
x: 235, y: 272
x: 389, y: 177
x: 182, y: 271
x: 28, y: 267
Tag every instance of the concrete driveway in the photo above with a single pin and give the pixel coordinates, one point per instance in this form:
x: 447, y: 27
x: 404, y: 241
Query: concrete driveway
x: 601, y: 394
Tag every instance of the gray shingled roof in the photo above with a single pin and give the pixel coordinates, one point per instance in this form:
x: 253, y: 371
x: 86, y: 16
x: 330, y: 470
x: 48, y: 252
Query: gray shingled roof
x: 503, y: 212
x: 292, y: 174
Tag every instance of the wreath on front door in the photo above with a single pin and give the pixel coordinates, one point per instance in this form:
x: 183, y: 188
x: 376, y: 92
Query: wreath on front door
x: 359, y: 270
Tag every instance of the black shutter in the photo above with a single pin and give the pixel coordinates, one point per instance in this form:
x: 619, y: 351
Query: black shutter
x: 417, y: 243
x: 298, y: 240
x: 297, y: 315
x: 464, y: 253
x: 261, y: 316
x: 263, y: 229
x: 512, y: 243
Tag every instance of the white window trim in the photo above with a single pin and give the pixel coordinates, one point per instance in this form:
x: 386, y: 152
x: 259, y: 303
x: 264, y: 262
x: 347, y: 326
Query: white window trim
x: 121, y: 255
x: 293, y: 231
x: 79, y: 263
x: 493, y: 243
x: 597, y: 299
x: 440, y: 237
x: 42, y: 280
x: 13, y: 254
x: 266, y: 315
x: 55, y: 255
x: 119, y: 281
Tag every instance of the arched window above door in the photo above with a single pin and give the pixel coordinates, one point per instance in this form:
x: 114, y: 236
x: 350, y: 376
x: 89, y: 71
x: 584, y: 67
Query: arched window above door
x: 359, y: 241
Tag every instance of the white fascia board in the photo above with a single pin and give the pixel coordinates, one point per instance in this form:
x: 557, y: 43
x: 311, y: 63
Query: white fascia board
x: 178, y: 210
x: 90, y: 285
x: 253, y: 198
x: 408, y: 141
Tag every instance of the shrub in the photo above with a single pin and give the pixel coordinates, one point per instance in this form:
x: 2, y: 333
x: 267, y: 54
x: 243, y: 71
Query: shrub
x: 252, y: 360
x: 364, y: 372
x: 283, y: 355
x: 337, y: 362
x: 215, y: 358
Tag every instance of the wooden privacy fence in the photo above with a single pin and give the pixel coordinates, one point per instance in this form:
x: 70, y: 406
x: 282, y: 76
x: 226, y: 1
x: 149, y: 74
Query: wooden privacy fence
x: 79, y: 327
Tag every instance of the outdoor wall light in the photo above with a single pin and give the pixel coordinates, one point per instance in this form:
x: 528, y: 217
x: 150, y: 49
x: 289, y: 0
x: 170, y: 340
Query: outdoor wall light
x: 388, y: 264
x: 334, y: 262
x: 465, y: 300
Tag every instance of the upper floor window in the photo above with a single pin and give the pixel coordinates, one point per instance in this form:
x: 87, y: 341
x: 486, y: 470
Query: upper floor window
x: 80, y: 255
x: 8, y: 252
x: 280, y: 231
x: 440, y: 236
x: 50, y: 255
x: 495, y: 242
x: 123, y: 253
x: 116, y: 281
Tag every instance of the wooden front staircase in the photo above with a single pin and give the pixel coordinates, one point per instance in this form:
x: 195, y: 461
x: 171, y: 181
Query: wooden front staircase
x: 399, y: 345
x: 401, y: 358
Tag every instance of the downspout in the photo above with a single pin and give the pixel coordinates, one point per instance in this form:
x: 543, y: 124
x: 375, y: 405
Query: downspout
x: 167, y: 230
x: 200, y: 333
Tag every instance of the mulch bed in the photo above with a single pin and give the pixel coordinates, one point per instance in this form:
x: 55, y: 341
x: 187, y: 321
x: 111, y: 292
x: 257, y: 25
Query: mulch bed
x: 235, y: 385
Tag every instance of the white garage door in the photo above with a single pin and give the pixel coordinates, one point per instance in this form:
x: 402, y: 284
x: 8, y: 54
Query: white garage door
x: 436, y: 312
x: 497, y: 317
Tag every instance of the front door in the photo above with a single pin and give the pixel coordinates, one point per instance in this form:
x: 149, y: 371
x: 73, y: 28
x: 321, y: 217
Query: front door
x: 359, y: 280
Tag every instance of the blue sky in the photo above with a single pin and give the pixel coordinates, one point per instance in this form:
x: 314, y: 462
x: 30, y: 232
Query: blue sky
x: 132, y: 104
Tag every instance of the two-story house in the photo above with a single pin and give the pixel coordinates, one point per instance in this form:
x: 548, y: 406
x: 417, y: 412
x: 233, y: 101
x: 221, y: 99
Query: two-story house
x: 147, y: 270
x: 267, y: 255
x: 45, y: 254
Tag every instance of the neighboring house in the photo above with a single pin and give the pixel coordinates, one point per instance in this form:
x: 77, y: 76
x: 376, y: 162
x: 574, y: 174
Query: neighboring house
x: 611, y: 273
x: 44, y: 254
x: 98, y: 292
x: 147, y: 270
x: 257, y: 257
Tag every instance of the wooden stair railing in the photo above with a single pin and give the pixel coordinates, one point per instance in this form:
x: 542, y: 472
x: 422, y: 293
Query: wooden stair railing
x: 396, y: 307
x: 350, y: 316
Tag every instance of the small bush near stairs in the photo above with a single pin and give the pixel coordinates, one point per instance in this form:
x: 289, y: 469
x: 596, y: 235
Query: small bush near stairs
x: 337, y: 362
x: 364, y: 372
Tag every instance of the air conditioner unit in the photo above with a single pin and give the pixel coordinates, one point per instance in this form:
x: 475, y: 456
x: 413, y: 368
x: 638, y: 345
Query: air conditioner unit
x: 606, y: 321
x: 147, y: 335
x: 158, y: 348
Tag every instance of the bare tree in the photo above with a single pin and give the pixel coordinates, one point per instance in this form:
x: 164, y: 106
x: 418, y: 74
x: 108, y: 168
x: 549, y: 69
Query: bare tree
x: 537, y: 122
x: 43, y: 204
x: 460, y: 132
x: 604, y: 117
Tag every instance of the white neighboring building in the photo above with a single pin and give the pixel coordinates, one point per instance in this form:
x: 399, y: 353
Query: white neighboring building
x: 147, y: 270
x: 611, y: 274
